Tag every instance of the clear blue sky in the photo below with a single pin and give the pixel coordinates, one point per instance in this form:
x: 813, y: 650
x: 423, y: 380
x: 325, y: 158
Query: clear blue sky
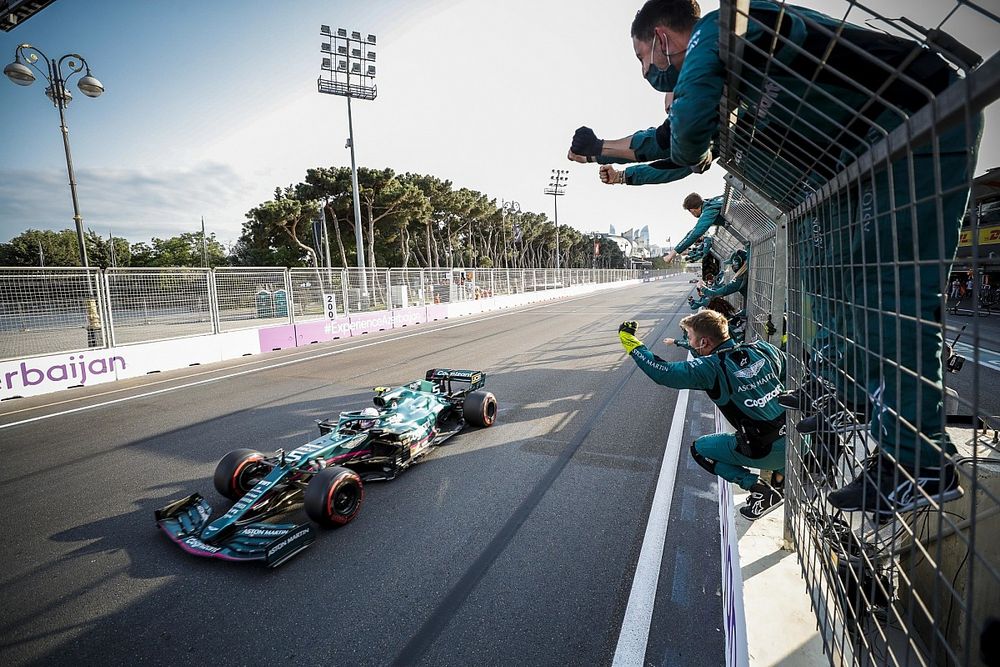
x: 211, y: 105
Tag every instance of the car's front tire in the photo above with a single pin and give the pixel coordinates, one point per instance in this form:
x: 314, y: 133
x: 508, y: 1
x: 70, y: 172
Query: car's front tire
x: 480, y: 408
x: 238, y: 472
x: 334, y: 496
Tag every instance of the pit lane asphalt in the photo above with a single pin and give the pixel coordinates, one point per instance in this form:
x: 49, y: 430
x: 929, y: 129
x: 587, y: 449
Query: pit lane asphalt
x: 515, y: 544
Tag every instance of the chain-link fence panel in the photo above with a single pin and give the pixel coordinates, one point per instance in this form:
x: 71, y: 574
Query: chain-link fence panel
x: 725, y: 243
x: 251, y: 297
x: 316, y: 294
x: 863, y: 130
x: 412, y: 287
x: 156, y: 304
x: 46, y: 311
x: 501, y: 283
x: 762, y: 226
x: 474, y: 283
x: 367, y: 290
x: 438, y: 286
x: 718, y: 268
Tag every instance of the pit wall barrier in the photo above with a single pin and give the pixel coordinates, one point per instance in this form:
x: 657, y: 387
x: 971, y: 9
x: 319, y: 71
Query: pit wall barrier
x: 733, y: 610
x: 33, y: 376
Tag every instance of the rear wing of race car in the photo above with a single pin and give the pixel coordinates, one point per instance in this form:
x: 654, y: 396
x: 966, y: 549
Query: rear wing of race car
x: 444, y: 377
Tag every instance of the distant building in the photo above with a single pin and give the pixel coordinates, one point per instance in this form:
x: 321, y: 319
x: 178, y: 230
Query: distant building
x: 624, y: 243
x: 612, y: 231
x: 985, y: 239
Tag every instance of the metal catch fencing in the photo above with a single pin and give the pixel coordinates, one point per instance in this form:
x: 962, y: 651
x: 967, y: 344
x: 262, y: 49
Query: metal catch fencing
x: 55, y: 310
x: 759, y: 228
x: 851, y: 145
x: 140, y: 303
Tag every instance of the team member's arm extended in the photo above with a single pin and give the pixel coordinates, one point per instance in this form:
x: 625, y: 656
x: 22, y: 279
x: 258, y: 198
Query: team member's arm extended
x: 732, y: 287
x: 679, y: 342
x: 661, y: 171
x: 643, y: 174
x: 710, y: 212
x: 640, y: 146
x: 698, y: 374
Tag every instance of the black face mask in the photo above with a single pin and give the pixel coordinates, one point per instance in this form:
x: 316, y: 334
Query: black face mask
x: 663, y: 80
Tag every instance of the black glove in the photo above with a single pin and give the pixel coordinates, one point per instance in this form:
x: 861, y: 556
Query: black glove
x: 628, y: 327
x: 586, y: 143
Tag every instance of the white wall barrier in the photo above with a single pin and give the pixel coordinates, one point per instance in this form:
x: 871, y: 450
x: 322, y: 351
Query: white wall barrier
x: 42, y: 375
x: 734, y: 620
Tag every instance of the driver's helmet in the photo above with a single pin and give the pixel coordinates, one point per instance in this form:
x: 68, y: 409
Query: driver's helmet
x: 369, y: 417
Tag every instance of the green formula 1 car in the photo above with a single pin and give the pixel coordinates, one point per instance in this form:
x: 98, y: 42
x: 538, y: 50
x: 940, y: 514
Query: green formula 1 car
x: 326, y: 475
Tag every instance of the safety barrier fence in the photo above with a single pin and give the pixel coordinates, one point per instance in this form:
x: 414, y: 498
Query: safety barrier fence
x: 848, y: 171
x: 53, y: 310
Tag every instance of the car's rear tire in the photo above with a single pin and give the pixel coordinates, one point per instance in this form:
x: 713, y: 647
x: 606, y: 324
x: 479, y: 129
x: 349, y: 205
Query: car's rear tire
x: 334, y: 496
x: 238, y: 472
x: 480, y: 408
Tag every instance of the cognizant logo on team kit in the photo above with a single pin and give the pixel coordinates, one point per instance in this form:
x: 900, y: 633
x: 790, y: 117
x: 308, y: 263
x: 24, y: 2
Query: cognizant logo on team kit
x: 763, y: 400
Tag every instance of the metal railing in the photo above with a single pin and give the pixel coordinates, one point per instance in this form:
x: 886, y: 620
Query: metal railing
x: 153, y: 304
x: 56, y: 310
x: 45, y: 311
x: 851, y: 153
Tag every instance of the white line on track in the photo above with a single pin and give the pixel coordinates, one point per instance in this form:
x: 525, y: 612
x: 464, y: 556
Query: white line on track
x: 299, y: 358
x: 634, y: 635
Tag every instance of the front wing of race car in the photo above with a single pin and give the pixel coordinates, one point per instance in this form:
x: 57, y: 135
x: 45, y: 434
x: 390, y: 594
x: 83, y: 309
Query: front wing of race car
x: 272, y: 543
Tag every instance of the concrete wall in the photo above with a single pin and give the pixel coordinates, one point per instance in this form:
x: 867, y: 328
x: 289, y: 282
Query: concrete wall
x: 956, y: 561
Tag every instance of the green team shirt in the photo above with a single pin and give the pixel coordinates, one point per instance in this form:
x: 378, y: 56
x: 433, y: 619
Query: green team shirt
x: 711, y: 214
x: 743, y: 380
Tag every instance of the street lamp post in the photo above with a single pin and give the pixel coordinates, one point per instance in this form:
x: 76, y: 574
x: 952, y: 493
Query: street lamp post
x: 510, y: 208
x: 557, y: 185
x: 57, y: 73
x: 348, y: 66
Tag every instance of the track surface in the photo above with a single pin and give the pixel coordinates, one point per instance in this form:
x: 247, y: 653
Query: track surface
x: 515, y: 544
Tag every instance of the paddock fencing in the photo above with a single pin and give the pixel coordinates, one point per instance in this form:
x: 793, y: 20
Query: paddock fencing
x: 849, y: 187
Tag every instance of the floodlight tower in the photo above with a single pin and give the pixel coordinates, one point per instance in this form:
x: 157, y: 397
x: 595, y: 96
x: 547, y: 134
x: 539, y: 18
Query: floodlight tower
x: 348, y: 66
x: 557, y: 185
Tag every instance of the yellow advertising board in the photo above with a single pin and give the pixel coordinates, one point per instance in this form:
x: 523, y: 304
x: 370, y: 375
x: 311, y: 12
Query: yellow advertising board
x: 987, y: 235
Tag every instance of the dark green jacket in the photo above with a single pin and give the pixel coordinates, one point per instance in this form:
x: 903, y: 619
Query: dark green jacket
x: 646, y: 147
x: 711, y: 214
x: 804, y: 110
x: 742, y: 380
